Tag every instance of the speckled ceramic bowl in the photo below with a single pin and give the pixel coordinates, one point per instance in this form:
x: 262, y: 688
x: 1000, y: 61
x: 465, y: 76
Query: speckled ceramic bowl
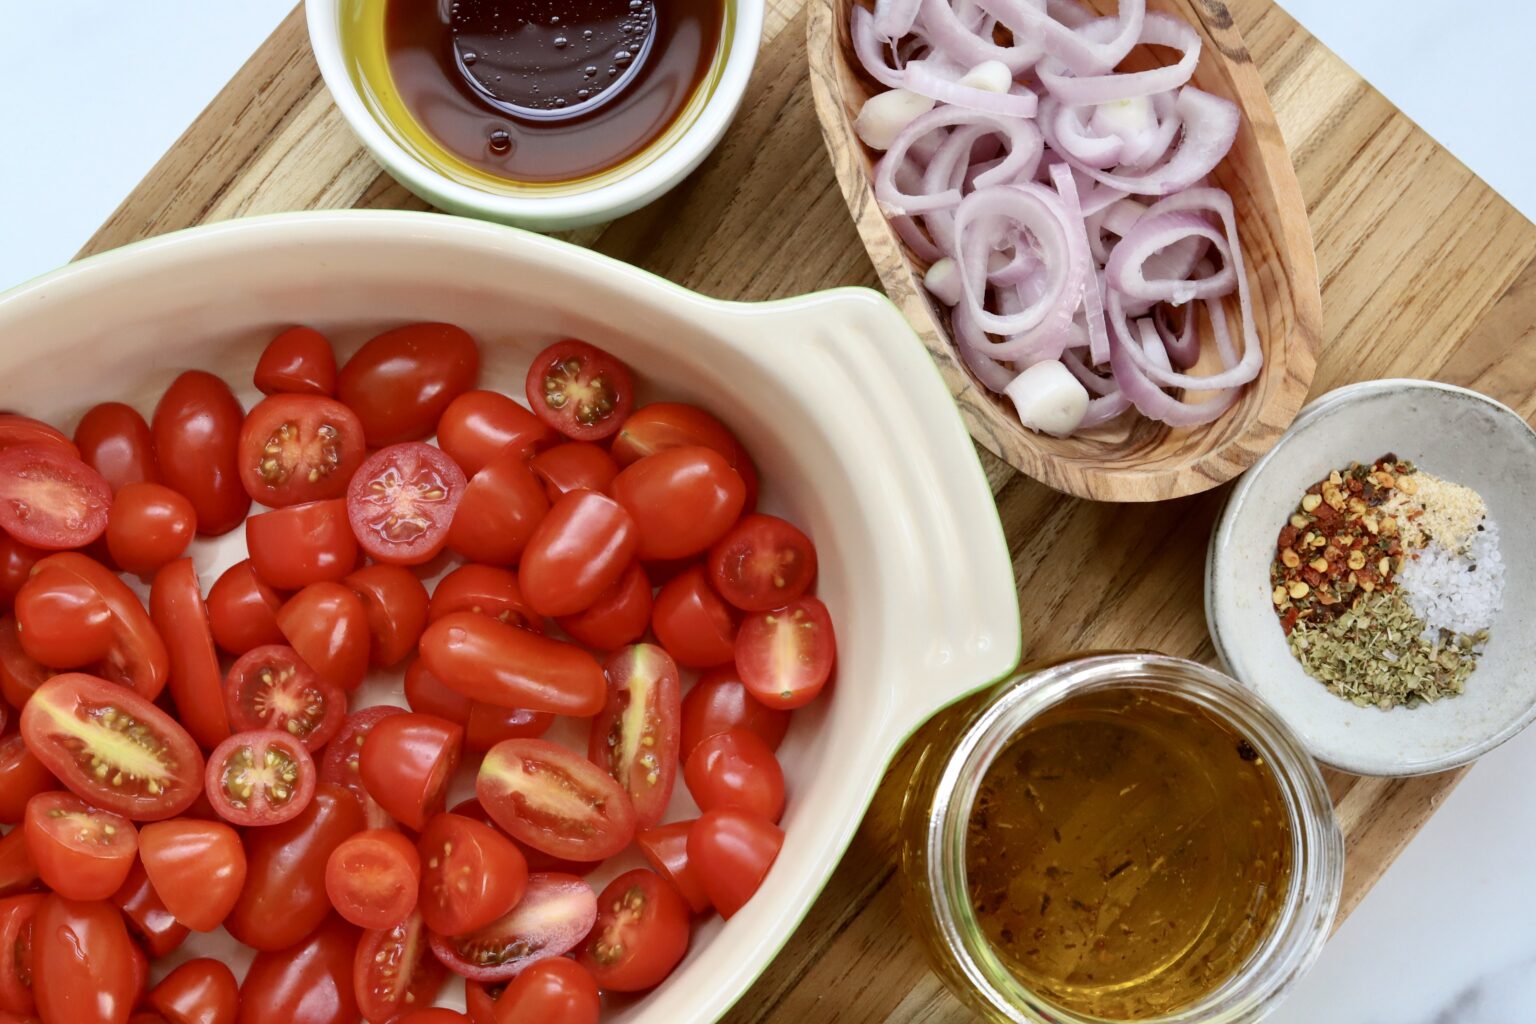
x: 1456, y: 434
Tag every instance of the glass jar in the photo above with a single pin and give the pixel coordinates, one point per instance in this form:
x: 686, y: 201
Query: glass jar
x: 955, y: 753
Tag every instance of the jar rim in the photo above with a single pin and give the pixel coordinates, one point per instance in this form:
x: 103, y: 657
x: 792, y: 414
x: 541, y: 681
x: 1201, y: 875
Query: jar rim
x: 1313, y: 891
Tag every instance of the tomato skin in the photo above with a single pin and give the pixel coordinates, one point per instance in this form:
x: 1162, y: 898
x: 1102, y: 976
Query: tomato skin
x: 19, y: 431
x: 579, y: 390
x: 480, y: 1003
x: 641, y: 933
x: 804, y: 630
x: 82, y: 962
x: 146, y: 914
x: 489, y: 724
x: 63, y: 621
x: 197, y: 867
x: 115, y: 441
x: 22, y: 776
x: 574, y: 466
x: 78, y: 701
x: 242, y: 610
x: 486, y: 590
x: 474, y: 874
x: 196, y: 428
x: 579, y: 550
x: 372, y: 878
x: 394, y: 968
x: 297, y: 449
x: 80, y: 852
x: 736, y: 769
x: 344, y: 754
x: 719, y: 702
x: 284, y: 897
x: 298, y: 361
x: 558, y: 991
x: 732, y: 851
x: 600, y: 827
x: 197, y: 684
x: 429, y: 695
x: 501, y: 507
x: 554, y: 915
x: 148, y: 526
x: 395, y: 603
x: 433, y: 1015
x: 298, y: 545
x: 16, y: 562
x: 666, y: 849
x: 402, y: 502
x: 478, y: 425
x: 692, y: 622
x: 307, y: 983
x: 20, y: 673
x: 407, y: 762
x: 16, y: 914
x: 663, y: 425
x: 639, y: 751
x: 619, y: 616
x: 682, y: 500
x: 17, y: 872
x: 401, y: 382
x: 201, y: 991
x: 327, y: 625
x: 490, y: 661
x: 763, y: 563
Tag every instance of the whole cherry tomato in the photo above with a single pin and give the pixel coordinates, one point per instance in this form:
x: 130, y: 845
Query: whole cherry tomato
x: 692, y: 622
x: 479, y: 424
x: 635, y: 737
x: 407, y: 763
x: 682, y: 500
x: 641, y: 933
x: 736, y: 769
x: 426, y: 693
x: 80, y: 852
x: 20, y: 673
x: 298, y: 361
x: 16, y: 562
x: 401, y: 382
x: 762, y: 563
x: 22, y: 776
x: 16, y: 915
x: 260, y: 778
x: 146, y: 914
x: 394, y: 969
x: 372, y: 878
x: 785, y: 656
x: 396, y: 603
x: 485, y: 590
x: 148, y: 526
x: 473, y: 875
x: 578, y: 550
x: 284, y: 896
x: 115, y: 441
x: 666, y: 849
x: 196, y: 428
x: 197, y: 867
x: 619, y: 616
x: 327, y: 625
x: 574, y: 466
x: 732, y: 850
x: 556, y: 990
x: 402, y: 501
x: 196, y: 682
x: 201, y: 991
x: 242, y: 610
x: 50, y: 499
x: 580, y: 390
x: 550, y: 798
x: 720, y: 702
x: 302, y: 544
x: 490, y: 661
x: 296, y: 449
x: 554, y: 915
x: 62, y: 620
x: 82, y: 962
x: 17, y: 872
x: 306, y: 983
x: 501, y: 507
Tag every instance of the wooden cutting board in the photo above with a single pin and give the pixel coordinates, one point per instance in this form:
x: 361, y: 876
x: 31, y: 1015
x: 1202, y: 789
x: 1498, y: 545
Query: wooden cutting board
x: 1426, y: 272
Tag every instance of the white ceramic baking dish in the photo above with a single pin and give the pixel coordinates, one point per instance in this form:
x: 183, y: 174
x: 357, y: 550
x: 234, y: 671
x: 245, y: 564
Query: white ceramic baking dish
x: 853, y: 430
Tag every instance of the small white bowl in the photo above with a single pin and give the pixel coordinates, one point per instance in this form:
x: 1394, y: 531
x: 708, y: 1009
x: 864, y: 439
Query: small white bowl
x: 1456, y: 434
x: 553, y: 212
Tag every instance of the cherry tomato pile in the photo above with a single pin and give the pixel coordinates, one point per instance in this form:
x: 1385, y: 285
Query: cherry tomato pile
x: 204, y: 761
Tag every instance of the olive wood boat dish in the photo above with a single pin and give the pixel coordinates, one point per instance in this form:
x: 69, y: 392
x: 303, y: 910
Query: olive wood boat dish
x: 1131, y: 458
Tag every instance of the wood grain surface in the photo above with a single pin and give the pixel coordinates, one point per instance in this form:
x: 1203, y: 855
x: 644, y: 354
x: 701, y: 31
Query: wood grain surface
x: 1425, y: 272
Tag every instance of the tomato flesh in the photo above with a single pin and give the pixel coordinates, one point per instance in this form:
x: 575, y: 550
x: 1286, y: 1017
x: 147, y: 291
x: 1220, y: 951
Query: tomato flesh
x: 50, y: 499
x: 554, y: 915
x: 261, y: 777
x: 395, y: 970
x: 762, y: 563
x: 372, y: 878
x: 402, y: 500
x: 343, y: 758
x: 80, y: 852
x: 299, y: 448
x: 579, y: 390
x: 555, y: 800
x: 272, y: 688
x: 635, y: 738
x: 785, y: 656
x: 641, y: 933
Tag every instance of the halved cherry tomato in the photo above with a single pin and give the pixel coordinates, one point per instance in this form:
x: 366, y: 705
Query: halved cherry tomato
x: 555, y: 800
x: 537, y: 860
x: 197, y: 685
x: 635, y: 737
x: 242, y: 610
x: 372, y: 878
x: 480, y: 1001
x: 666, y: 849
x: 342, y: 758
x: 574, y: 466
x: 486, y: 590
x: 261, y: 777
x: 298, y: 361
x: 302, y: 544
x: 473, y: 875
x: 785, y: 656
x: 641, y: 933
x: 502, y: 505
x: 197, y: 867
x: 22, y: 776
x: 284, y: 896
x: 479, y: 424
x: 17, y: 431
x: 307, y: 983
x: 327, y: 625
x: 16, y: 562
x: 407, y: 762
x: 578, y: 550
x: 736, y: 769
x: 146, y: 914
x: 489, y: 724
x: 272, y: 688
x: 115, y: 441
x: 732, y: 850
x: 402, y: 501
x: 719, y: 702
x: 113, y: 748
x: 82, y: 962
x: 201, y: 991
x: 196, y: 428
x: 554, y: 915
x: 490, y: 661
x: 580, y: 390
x: 16, y: 914
x: 619, y: 616
x: 148, y: 526
x: 554, y: 990
x: 50, y: 499
x: 394, y: 970
x: 692, y: 622
x: 17, y: 872
x: 296, y: 449
x: 662, y: 425
x: 20, y: 673
x: 682, y: 500
x: 763, y: 563
x: 80, y: 852
x: 396, y: 605
x: 401, y: 382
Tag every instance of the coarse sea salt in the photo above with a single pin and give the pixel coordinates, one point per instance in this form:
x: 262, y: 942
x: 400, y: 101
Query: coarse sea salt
x: 1461, y: 591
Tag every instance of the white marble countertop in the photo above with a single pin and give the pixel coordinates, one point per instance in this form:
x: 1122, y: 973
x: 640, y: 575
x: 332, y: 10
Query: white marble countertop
x: 93, y: 91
